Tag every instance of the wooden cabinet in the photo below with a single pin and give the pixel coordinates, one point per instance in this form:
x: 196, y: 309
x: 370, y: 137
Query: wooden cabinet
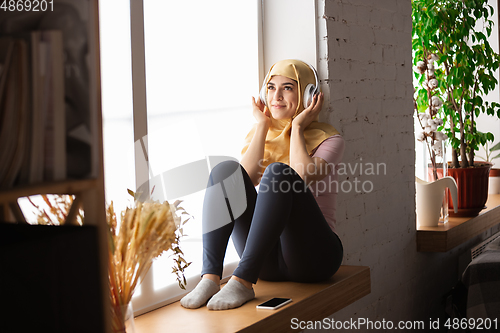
x: 37, y: 95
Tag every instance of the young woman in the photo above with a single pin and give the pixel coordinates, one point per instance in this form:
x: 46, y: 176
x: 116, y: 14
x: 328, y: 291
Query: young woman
x: 287, y: 231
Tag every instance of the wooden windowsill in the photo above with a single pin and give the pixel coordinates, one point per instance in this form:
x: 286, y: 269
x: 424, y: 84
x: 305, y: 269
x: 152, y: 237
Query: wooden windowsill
x: 311, y: 301
x: 458, y: 230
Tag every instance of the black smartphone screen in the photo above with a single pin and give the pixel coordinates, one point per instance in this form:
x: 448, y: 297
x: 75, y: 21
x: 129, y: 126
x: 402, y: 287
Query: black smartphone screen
x: 274, y: 302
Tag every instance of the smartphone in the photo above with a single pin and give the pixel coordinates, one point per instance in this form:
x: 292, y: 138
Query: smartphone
x: 274, y: 303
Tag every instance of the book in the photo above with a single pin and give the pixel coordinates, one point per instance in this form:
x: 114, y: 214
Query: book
x: 6, y: 47
x: 8, y: 57
x: 37, y: 116
x: 20, y: 94
x: 53, y: 104
x: 13, y: 110
x: 33, y: 132
x: 76, y: 156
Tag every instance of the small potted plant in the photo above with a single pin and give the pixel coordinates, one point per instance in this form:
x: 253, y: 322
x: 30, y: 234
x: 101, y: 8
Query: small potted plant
x: 494, y: 180
x: 427, y: 105
x: 430, y: 206
x: 455, y: 35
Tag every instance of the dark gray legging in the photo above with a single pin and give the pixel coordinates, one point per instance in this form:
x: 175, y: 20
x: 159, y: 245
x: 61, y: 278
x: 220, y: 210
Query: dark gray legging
x: 281, y: 236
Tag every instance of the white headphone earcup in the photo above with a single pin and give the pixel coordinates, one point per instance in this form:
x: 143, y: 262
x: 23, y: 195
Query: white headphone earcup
x: 308, y: 94
x: 263, y: 96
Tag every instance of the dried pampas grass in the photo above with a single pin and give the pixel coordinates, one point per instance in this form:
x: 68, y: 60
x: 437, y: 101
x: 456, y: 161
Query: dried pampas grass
x: 57, y: 210
x: 144, y: 232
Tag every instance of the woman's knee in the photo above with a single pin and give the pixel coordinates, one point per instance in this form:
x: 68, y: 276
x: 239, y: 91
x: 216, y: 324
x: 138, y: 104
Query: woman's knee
x: 278, y: 169
x: 280, y: 177
x: 222, y: 171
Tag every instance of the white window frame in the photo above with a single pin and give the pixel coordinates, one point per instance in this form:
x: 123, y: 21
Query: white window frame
x: 148, y: 299
x: 303, y: 44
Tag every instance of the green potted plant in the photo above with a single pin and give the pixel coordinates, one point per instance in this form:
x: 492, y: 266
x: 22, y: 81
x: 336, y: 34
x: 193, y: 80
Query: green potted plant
x: 450, y: 40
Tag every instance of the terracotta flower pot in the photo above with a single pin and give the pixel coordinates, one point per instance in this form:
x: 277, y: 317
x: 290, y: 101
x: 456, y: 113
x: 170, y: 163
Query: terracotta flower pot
x: 472, y: 188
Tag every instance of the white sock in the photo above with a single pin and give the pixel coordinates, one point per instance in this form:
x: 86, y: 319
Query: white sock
x: 205, y: 289
x: 233, y: 295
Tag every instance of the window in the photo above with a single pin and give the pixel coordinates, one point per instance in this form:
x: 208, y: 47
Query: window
x: 202, y: 64
x: 201, y: 69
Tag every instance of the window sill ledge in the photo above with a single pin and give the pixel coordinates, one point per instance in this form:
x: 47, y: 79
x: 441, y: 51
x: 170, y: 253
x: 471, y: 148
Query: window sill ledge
x: 311, y: 301
x: 459, y: 229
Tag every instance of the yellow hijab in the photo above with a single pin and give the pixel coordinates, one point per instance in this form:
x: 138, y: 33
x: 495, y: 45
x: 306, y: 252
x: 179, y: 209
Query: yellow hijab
x: 277, y: 146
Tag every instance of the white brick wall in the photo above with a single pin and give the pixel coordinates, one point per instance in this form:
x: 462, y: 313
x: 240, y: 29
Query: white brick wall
x: 365, y: 64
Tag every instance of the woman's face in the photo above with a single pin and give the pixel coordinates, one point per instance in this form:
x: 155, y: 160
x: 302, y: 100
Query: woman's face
x: 282, y: 97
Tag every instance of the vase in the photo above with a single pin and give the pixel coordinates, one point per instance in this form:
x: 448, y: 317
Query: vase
x: 438, y: 171
x: 123, y: 319
x: 429, y: 199
x: 441, y: 173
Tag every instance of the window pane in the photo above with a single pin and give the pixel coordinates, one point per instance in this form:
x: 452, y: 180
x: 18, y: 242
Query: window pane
x: 116, y: 96
x: 201, y: 71
x: 116, y: 82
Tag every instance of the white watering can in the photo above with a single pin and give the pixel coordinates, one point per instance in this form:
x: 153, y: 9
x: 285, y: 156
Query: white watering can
x: 429, y: 199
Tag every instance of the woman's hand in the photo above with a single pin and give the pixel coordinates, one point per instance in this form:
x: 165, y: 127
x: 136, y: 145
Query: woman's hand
x: 300, y: 160
x: 255, y: 152
x: 306, y: 117
x: 261, y: 113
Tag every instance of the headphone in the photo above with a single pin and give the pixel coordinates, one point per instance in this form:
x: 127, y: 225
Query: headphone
x: 309, y: 92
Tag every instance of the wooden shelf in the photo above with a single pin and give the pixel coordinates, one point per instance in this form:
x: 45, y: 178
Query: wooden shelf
x: 60, y: 187
x: 458, y: 230
x: 82, y: 29
x: 311, y: 301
